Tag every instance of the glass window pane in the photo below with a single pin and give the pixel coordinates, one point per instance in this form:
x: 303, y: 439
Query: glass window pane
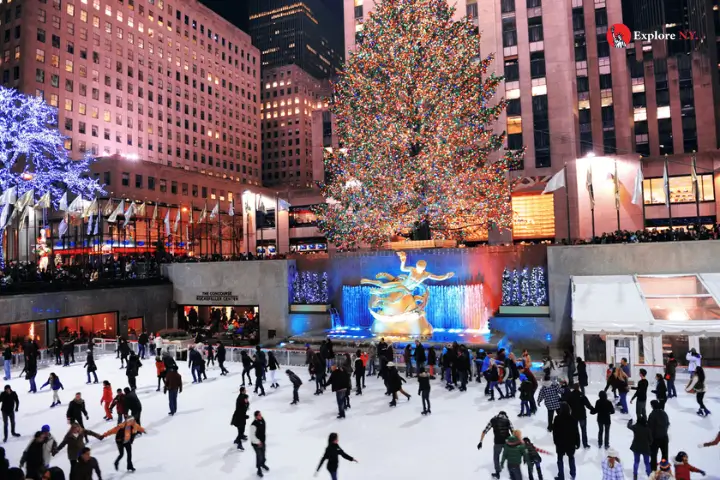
x: 685, y: 285
x: 706, y: 187
x: 17, y: 333
x: 684, y: 308
x: 710, y: 351
x: 677, y: 344
x: 595, y: 350
x: 681, y: 189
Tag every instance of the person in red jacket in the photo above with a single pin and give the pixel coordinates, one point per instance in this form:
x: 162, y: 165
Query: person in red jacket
x: 683, y: 468
x: 160, y: 367
x: 106, y: 400
x: 119, y: 404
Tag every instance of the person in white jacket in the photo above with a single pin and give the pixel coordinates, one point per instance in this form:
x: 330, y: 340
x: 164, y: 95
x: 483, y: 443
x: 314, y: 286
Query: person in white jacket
x: 694, y: 359
x: 158, y: 345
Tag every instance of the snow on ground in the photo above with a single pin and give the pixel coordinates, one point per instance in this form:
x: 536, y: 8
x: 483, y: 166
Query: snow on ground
x: 389, y: 442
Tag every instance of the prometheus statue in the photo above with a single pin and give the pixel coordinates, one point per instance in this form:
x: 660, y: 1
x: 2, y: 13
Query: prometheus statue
x: 398, y: 303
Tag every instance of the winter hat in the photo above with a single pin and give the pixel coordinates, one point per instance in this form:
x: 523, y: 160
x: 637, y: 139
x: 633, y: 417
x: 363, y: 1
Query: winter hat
x: 45, y: 428
x: 612, y: 453
x: 679, y: 457
x: 391, y: 364
x: 664, y: 465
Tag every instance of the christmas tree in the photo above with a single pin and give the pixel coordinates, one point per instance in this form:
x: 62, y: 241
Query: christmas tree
x: 413, y: 109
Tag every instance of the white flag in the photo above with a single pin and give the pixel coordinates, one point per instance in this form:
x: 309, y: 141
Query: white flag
x: 203, y: 214
x: 5, y: 216
x: 140, y: 210
x: 177, y: 221
x: 215, y: 210
x: 283, y: 205
x: 589, y: 187
x: 167, y: 223
x: 108, y: 207
x: 25, y: 200
x: 556, y: 182
x: 63, y: 228
x: 666, y: 184
x: 77, y: 205
x: 93, y: 208
x: 638, y: 189
x: 231, y: 209
x: 63, y: 203
x: 128, y: 214
x: 97, y: 224
x: 9, y: 196
x: 44, y: 201
x: 154, y: 216
x: 118, y: 210
x: 90, y: 225
x: 694, y: 177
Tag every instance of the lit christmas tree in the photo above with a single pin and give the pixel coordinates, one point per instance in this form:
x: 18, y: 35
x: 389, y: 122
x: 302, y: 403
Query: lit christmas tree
x: 506, y: 287
x: 413, y: 112
x: 525, y: 296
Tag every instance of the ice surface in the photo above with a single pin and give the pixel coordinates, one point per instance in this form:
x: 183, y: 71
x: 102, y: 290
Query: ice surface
x: 395, y: 443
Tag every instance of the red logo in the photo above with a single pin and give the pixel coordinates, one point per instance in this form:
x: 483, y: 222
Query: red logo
x: 619, y: 35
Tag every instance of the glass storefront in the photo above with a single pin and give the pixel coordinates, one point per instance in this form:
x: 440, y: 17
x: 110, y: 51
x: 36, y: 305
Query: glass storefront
x: 681, y: 189
x: 533, y: 217
x: 241, y: 324
x: 135, y: 327
x: 17, y: 333
x: 100, y: 325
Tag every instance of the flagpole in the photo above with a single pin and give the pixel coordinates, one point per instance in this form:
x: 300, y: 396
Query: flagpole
x: 667, y: 192
x: 567, y: 203
x: 697, y: 188
x: 192, y: 225
x: 207, y: 234
x: 617, y: 196
x: 277, y: 223
x: 219, y: 230
x: 642, y: 199
x: 233, y: 227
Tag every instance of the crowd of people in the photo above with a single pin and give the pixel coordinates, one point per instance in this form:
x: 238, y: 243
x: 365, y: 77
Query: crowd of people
x: 560, y: 387
x: 676, y: 234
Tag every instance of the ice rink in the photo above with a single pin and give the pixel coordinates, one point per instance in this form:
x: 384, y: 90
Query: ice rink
x: 396, y: 443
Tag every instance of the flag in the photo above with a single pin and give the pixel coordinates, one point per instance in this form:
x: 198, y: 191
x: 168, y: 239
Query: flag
x: 118, y: 210
x: 693, y: 174
x: 25, y: 200
x: 666, y: 184
x: 77, y: 205
x: 617, y: 188
x: 108, y: 207
x: 9, y: 196
x: 285, y: 205
x: 97, y: 224
x: 140, y: 211
x: 167, y: 223
x: 231, y: 208
x: 128, y: 214
x: 190, y: 216
x: 63, y: 203
x: 63, y: 228
x: 177, y: 221
x: 92, y: 208
x: 153, y: 219
x: 90, y: 225
x: 44, y: 201
x: 589, y: 187
x: 203, y: 214
x: 638, y: 189
x: 556, y: 182
x: 5, y: 216
x: 215, y: 210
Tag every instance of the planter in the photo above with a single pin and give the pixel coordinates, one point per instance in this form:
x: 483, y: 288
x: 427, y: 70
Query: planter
x: 302, y: 308
x: 523, y: 310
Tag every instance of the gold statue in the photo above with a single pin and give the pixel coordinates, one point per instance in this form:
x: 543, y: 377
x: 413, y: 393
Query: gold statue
x: 398, y: 304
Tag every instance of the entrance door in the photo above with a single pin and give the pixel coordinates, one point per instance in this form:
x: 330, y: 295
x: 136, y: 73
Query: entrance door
x: 622, y: 346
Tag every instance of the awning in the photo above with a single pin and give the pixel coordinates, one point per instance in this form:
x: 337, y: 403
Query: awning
x: 608, y: 303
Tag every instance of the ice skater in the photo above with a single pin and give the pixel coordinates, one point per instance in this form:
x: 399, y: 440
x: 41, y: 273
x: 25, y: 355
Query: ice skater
x: 296, y: 383
x: 319, y: 370
x: 91, y: 367
x: 333, y: 452
x: 259, y: 375
x: 75, y: 440
x: 220, y: 356
x: 125, y: 434
x: 76, y: 410
x: 106, y: 400
x: 247, y: 367
x: 502, y: 428
x: 273, y: 366
x: 395, y: 382
x: 86, y: 465
x: 550, y: 393
x: 132, y: 370
x: 424, y: 390
x: 240, y: 416
x: 642, y: 438
x: 133, y: 405
x: 533, y: 458
x: 9, y: 405
x: 33, y: 457
x: 124, y: 349
x: 515, y: 453
x: 55, y: 385
x: 173, y: 387
x: 359, y: 373
x: 257, y: 439
x: 641, y: 395
x: 683, y: 467
x: 697, y: 386
x: 161, y: 371
x: 7, y: 362
x: 119, y: 404
x: 338, y: 385
x: 195, y: 362
x: 603, y: 409
x: 210, y: 354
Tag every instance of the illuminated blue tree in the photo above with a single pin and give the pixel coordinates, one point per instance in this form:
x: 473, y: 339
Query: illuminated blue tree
x: 33, y: 153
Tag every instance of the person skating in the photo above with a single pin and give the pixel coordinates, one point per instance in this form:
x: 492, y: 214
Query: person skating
x: 259, y: 366
x: 34, y: 457
x: 347, y: 369
x: 697, y: 386
x: 55, y: 385
x: 447, y: 362
x: 641, y: 395
x: 525, y: 396
x: 534, y: 459
x: 683, y: 469
x: 550, y: 393
x: 515, y: 453
x: 424, y: 390
x: 124, y: 352
x: 502, y: 429
x: 663, y: 472
x: 220, y: 356
x: 296, y: 383
x: 91, y: 367
x: 462, y: 365
x: 603, y: 409
x: 338, y: 384
x: 320, y: 374
x: 273, y: 366
x: 57, y: 350
x: 76, y: 410
x: 161, y: 371
x: 642, y: 439
x: 7, y: 362
x: 106, y: 400
x: 86, y: 466
x: 74, y: 440
x: 168, y: 361
x: 493, y: 378
x: 67, y: 351
x: 581, y: 373
x: 49, y: 445
x: 132, y: 370
x: 119, y: 404
x: 534, y: 383
x: 567, y: 440
x: 261, y: 358
x: 133, y: 405
x: 30, y: 370
x: 395, y: 382
x: 431, y: 361
x: 694, y: 360
x: 333, y: 452
x: 659, y: 424
x: 247, y: 367
x: 670, y: 369
x: 173, y: 386
x: 407, y: 358
x: 158, y: 344
x: 359, y: 372
x: 9, y: 405
x: 579, y: 405
x: 195, y: 362
x: 619, y: 381
x: 611, y: 467
x: 257, y: 439
x: 125, y: 434
x: 143, y: 340
x: 210, y: 354
x: 660, y: 390
x: 240, y: 416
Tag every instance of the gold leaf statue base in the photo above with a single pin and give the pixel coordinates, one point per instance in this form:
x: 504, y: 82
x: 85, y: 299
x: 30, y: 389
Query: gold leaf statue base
x: 410, y: 323
x: 420, y: 244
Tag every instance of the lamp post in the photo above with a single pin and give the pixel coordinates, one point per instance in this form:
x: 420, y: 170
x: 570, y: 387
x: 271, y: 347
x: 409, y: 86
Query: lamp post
x: 247, y: 225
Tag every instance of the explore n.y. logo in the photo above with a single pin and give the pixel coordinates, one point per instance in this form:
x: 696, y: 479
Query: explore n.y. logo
x: 619, y: 35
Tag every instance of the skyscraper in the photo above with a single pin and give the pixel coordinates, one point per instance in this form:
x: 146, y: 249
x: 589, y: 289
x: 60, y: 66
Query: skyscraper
x: 304, y: 33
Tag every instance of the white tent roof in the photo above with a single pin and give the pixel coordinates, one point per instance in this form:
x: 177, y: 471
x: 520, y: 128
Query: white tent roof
x: 685, y: 304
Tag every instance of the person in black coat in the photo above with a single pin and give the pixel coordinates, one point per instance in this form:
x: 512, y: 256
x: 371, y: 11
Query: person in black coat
x: 432, y: 361
x: 424, y: 389
x: 240, y: 416
x: 359, y: 372
x: 642, y: 440
x: 247, y: 367
x: 395, y: 382
x: 641, y: 395
x: 57, y: 348
x: 419, y: 355
x: 332, y: 454
x: 660, y: 390
x: 259, y: 366
x: 91, y: 367
x: 124, y: 352
x: 143, y: 340
x: 320, y: 373
x: 581, y: 374
x: 33, y: 457
x: 462, y: 365
x: 75, y: 412
x: 132, y: 370
x: 132, y: 405
x: 296, y: 383
x: 67, y: 351
x: 578, y: 404
x: 220, y: 355
x: 196, y: 364
x: 9, y: 404
x: 659, y: 424
x: 338, y: 383
x: 603, y: 409
x: 566, y: 438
